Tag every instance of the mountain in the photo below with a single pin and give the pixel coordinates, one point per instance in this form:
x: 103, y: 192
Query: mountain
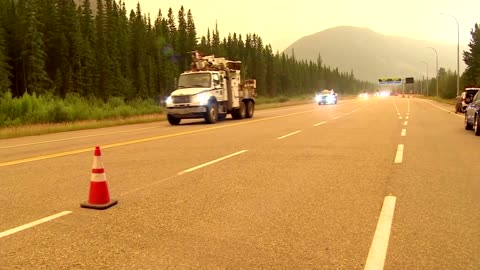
x: 93, y: 4
x: 372, y: 55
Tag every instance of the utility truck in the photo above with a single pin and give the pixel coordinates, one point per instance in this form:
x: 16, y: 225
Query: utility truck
x: 211, y: 89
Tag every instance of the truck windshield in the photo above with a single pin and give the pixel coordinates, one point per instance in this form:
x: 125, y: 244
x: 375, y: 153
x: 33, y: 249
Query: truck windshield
x: 194, y: 80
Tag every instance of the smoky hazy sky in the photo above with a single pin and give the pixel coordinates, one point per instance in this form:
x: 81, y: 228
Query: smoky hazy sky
x: 280, y: 23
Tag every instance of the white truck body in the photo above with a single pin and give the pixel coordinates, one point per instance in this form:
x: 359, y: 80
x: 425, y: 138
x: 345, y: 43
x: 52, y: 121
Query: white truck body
x: 211, y: 90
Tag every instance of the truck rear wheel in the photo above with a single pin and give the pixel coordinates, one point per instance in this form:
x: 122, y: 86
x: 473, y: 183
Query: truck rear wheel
x: 250, y: 108
x: 211, y: 115
x: 240, y: 112
x: 173, y: 120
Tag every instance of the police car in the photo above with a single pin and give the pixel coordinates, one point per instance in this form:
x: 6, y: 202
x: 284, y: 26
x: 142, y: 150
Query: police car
x: 326, y: 97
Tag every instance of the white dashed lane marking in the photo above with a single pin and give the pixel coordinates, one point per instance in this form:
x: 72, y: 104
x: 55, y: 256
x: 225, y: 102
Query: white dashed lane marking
x: 399, y: 155
x: 321, y: 123
x: 33, y: 224
x: 378, y: 249
x: 212, y: 162
x: 289, y: 134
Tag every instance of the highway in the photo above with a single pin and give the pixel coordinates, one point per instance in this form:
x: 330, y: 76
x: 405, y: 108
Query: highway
x: 384, y: 183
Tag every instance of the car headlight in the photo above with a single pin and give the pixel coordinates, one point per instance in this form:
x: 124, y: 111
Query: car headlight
x: 330, y: 98
x: 169, y: 101
x: 318, y: 98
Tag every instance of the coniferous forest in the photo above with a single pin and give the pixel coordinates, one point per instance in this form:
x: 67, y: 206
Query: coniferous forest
x: 54, y: 46
x: 60, y: 51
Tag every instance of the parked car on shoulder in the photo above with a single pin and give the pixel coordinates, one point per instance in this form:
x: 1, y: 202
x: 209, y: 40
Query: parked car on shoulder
x: 465, y: 98
x: 472, y: 115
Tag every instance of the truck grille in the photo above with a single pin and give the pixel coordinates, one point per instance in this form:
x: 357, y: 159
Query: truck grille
x: 181, y: 99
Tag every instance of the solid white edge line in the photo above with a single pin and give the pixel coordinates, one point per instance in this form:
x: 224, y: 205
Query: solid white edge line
x: 378, y: 249
x: 404, y: 132
x: 336, y: 117
x: 289, y: 134
x: 34, y: 223
x: 459, y: 115
x: 321, y: 123
x: 211, y: 162
x: 399, y: 155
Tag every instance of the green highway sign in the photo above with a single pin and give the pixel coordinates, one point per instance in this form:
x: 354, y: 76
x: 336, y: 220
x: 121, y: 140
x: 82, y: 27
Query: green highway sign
x: 409, y: 80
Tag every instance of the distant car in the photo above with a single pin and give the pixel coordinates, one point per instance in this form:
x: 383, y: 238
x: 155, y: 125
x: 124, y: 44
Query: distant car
x: 472, y: 115
x: 465, y: 98
x: 326, y: 97
x: 363, y: 95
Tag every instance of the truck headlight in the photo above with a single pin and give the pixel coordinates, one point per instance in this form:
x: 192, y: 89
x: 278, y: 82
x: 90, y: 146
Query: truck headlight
x: 169, y: 101
x: 202, y: 98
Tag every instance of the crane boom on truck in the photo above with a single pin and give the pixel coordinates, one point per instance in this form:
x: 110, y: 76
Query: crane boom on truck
x: 211, y: 89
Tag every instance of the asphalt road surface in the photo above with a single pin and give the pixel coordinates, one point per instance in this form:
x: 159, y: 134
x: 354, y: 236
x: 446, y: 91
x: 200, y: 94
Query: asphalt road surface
x: 384, y: 183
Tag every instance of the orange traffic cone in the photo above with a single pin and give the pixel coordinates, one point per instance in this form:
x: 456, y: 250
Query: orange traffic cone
x: 99, y: 197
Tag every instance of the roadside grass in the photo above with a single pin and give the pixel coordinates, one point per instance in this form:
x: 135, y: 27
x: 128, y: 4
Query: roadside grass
x: 40, y: 129
x: 44, y: 115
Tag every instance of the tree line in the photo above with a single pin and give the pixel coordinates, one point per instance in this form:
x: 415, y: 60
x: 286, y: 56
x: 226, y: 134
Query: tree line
x: 471, y: 76
x: 447, y: 79
x: 57, y: 48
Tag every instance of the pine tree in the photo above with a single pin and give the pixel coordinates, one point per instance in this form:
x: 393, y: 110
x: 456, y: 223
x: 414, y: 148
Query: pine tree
x: 67, y: 49
x: 116, y: 84
x: 33, y: 51
x: 216, y: 45
x: 102, y: 78
x: 172, y: 28
x: 123, y: 44
x: 51, y: 26
x: 5, y: 74
x: 87, y: 57
x: 182, y: 40
x: 269, y: 71
x: 5, y: 68
x: 138, y: 44
x: 191, y: 33
x: 472, y: 59
x: 159, y: 45
x: 171, y: 68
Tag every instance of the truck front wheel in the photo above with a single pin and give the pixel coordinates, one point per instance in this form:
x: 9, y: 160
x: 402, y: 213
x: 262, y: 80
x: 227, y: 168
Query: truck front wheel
x: 173, y: 120
x: 211, y: 115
